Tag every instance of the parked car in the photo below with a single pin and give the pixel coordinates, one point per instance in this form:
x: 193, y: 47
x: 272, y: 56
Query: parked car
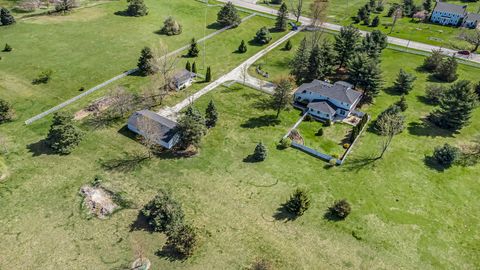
x: 467, y: 53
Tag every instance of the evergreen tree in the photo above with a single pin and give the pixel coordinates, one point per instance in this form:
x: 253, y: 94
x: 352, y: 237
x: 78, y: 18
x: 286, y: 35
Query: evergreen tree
x: 288, y: 46
x: 427, y: 5
x: 447, y: 71
x: 228, y: 16
x: 263, y: 36
x: 375, y: 22
x: 298, y: 203
x: 402, y: 103
x: 146, y: 64
x: 163, y: 213
x: 243, y: 47
x: 282, y: 18
x: 340, y: 209
x: 299, y: 63
x: 211, y: 115
x: 188, y: 66
x: 171, y: 27
x: 136, y: 8
x: 432, y: 62
x: 408, y: 7
x: 404, y: 82
x: 456, y: 106
x: 374, y: 43
x: 6, y: 18
x: 315, y: 70
x: 194, y: 67
x: 446, y: 155
x: 7, y: 48
x: 6, y: 112
x: 63, y: 136
x: 477, y: 90
x: 192, y: 129
x: 346, y: 43
x: 364, y: 73
x: 195, y: 114
x: 183, y: 240
x: 260, y: 153
x: 193, y: 51
x: 208, y: 75
x: 328, y: 57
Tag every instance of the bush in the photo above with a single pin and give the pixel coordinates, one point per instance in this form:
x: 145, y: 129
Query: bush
x: 263, y: 36
x: 163, y: 213
x: 63, y: 136
x: 308, y: 118
x: 346, y: 145
x: 183, y: 240
x: 171, y: 27
x: 243, y: 47
x: 65, y: 6
x: 327, y: 123
x: 6, y: 18
x: 340, y: 209
x: 44, y: 77
x: 146, y: 65
x: 432, y: 62
x: 136, y: 8
x: 6, y: 112
x: 7, y: 48
x: 260, y: 153
x: 288, y: 46
x: 285, y: 143
x: 320, y: 132
x: 332, y: 162
x: 298, y: 203
x: 446, y: 155
x: 434, y: 93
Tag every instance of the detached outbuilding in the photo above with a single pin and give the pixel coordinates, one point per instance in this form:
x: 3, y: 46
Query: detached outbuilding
x: 159, y: 128
x: 183, y: 79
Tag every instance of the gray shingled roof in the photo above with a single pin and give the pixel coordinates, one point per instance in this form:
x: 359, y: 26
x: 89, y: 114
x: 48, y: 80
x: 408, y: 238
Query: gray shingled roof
x: 183, y: 76
x: 450, y: 8
x: 321, y: 106
x: 163, y: 128
x: 341, y: 91
x: 472, y: 17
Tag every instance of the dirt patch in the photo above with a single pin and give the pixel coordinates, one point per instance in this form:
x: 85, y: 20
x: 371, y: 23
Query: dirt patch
x: 95, y: 107
x: 98, y: 201
x: 3, y: 170
x: 141, y: 264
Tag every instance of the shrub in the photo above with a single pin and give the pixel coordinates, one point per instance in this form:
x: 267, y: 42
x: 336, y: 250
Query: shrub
x: 320, y: 132
x: 285, y: 143
x: 298, y: 203
x: 288, y: 46
x: 44, y: 77
x: 163, y: 213
x: 6, y: 112
x: 63, y: 136
x: 260, y: 153
x: 327, y: 123
x: 171, y: 27
x: 183, y: 240
x: 402, y: 103
x: 7, y: 48
x: 193, y: 51
x: 332, y: 162
x: 243, y: 47
x: 228, y: 15
x: 6, y: 18
x: 446, y: 155
x: 136, y: 8
x: 340, y: 209
x: 65, y: 6
x: 447, y: 70
x: 375, y: 22
x: 434, y: 93
x: 432, y: 62
x: 346, y: 145
x: 208, y: 75
x: 263, y: 36
x: 308, y: 118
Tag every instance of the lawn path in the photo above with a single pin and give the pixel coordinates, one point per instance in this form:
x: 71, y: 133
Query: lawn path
x: 335, y: 27
x: 236, y: 75
x: 124, y: 74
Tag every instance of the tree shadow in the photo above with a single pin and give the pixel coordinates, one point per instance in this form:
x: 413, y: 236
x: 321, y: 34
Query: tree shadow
x: 122, y: 13
x: 425, y: 100
x: 214, y: 26
x: 261, y: 121
x: 262, y: 104
x: 128, y: 163
x: 251, y: 159
x: 141, y: 224
x: 330, y: 216
x: 250, y: 96
x: 40, y: 148
x: 391, y: 91
x: 254, y: 42
x: 169, y: 253
x: 102, y: 120
x: 431, y: 163
x: 428, y: 129
x: 282, y: 214
x: 364, y: 162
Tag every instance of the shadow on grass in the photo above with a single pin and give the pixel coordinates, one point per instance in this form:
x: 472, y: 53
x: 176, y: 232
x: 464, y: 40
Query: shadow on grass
x: 169, y: 253
x: 391, y: 91
x: 282, y: 214
x: 262, y: 103
x: 251, y: 159
x: 428, y: 129
x: 122, y: 13
x: 127, y: 163
x: 431, y: 163
x: 214, y: 26
x: 40, y: 148
x: 360, y: 163
x: 261, y: 121
x: 255, y: 43
x: 141, y: 224
x: 425, y: 100
x: 330, y: 216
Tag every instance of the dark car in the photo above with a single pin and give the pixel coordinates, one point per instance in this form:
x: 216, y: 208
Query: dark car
x: 464, y: 52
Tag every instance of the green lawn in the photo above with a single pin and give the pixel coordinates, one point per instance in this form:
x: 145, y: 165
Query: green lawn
x: 405, y: 214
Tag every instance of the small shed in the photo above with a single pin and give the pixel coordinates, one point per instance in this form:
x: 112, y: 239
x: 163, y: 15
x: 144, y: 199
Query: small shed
x: 183, y: 79
x: 161, y: 129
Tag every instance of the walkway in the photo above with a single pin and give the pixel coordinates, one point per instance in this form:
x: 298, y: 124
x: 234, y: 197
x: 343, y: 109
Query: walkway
x: 335, y: 27
x: 124, y: 74
x: 235, y: 75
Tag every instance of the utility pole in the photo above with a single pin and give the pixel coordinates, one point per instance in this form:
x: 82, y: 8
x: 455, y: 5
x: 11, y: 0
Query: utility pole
x: 204, y: 35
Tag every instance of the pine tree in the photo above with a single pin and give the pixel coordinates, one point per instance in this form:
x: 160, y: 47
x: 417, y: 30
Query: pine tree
x: 374, y: 43
x: 299, y: 63
x: 163, y: 213
x: 260, y: 153
x: 346, y: 43
x: 7, y: 48
x: 208, y: 75
x: 63, y: 136
x: 402, y: 103
x: 194, y: 67
x: 191, y: 128
x: 6, y: 18
x: 282, y: 18
x: 211, y: 115
x: 340, y: 209
x: 193, y: 51
x: 404, y: 82
x: 446, y: 155
x: 243, y: 47
x: 328, y: 57
x: 375, y: 22
x: 228, y: 16
x: 263, y: 36
x: 188, y: 66
x: 427, y: 5
x: 195, y: 114
x: 315, y: 70
x: 146, y: 64
x: 364, y: 72
x: 136, y: 8
x: 432, y: 62
x: 288, y: 46
x: 456, y: 106
x: 298, y: 203
x: 447, y: 71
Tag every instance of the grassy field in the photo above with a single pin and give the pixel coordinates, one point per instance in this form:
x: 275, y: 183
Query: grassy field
x: 332, y: 140
x: 405, y: 214
x: 341, y: 11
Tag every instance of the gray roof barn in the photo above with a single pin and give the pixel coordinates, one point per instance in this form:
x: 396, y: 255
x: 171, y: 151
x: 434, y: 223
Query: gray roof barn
x: 162, y: 128
x: 321, y: 106
x: 341, y: 91
x: 450, y: 8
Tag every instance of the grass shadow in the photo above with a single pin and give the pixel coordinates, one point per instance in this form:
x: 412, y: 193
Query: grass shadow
x: 122, y: 13
x: 391, y: 91
x: 262, y: 104
x: 251, y: 159
x: 431, y: 163
x: 282, y: 214
x: 141, y: 224
x: 357, y: 164
x: 261, y: 121
x: 40, y: 148
x: 214, y: 26
x: 425, y: 100
x: 428, y: 129
x: 169, y: 253
x: 127, y: 163
x: 330, y: 216
x: 255, y: 43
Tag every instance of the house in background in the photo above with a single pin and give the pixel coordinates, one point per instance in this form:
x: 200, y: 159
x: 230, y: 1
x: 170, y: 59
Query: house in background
x: 159, y: 128
x: 448, y: 14
x: 183, y: 79
x: 325, y: 101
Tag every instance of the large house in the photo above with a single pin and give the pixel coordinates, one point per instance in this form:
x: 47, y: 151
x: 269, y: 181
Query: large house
x: 454, y: 15
x: 158, y: 128
x: 326, y: 101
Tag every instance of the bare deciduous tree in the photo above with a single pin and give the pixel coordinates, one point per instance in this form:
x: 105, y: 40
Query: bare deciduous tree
x: 318, y: 10
x: 296, y: 7
x: 390, y: 125
x: 472, y: 37
x: 165, y: 65
x: 150, y: 135
x: 397, y: 14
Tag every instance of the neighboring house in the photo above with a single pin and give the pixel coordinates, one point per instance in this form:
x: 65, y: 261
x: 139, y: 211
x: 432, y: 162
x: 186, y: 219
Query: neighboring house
x: 183, y: 79
x: 327, y: 101
x: 448, y: 14
x: 472, y: 20
x: 159, y: 128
